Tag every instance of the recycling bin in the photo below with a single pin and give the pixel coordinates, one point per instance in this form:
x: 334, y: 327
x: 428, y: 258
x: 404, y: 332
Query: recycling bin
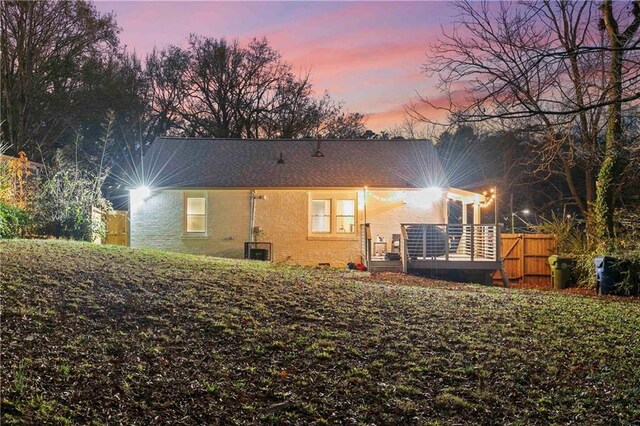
x: 607, y: 274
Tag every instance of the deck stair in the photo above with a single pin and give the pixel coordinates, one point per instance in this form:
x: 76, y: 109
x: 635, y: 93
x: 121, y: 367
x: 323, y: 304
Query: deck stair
x: 385, y: 266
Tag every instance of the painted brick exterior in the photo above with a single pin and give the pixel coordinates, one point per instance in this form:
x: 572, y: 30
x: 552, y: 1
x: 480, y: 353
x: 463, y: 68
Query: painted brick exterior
x: 282, y: 216
x: 159, y: 223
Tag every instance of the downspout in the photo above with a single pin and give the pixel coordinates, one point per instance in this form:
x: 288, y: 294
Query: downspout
x: 364, y: 204
x: 252, y: 214
x: 367, y: 249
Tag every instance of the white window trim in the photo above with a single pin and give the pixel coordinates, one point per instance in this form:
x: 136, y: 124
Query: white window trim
x: 333, y: 234
x: 185, y: 214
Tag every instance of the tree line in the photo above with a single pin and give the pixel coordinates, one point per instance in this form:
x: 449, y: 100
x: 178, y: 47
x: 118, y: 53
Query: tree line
x: 63, y: 68
x: 564, y: 77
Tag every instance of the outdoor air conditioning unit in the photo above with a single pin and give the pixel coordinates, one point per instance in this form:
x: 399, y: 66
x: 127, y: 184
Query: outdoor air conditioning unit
x: 257, y: 251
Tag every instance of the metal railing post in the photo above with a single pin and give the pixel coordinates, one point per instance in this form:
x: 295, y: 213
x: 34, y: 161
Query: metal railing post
x: 424, y: 241
x: 473, y: 243
x: 405, y: 252
x: 446, y: 242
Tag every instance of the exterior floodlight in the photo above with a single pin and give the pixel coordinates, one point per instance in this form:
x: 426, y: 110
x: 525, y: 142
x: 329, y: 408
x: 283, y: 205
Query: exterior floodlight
x: 141, y: 193
x: 425, y: 198
x: 144, y: 192
x: 526, y: 212
x: 138, y: 196
x: 434, y: 192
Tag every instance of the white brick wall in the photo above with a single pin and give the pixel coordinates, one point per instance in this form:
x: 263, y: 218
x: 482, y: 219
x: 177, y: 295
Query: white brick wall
x: 158, y: 222
x: 283, y: 216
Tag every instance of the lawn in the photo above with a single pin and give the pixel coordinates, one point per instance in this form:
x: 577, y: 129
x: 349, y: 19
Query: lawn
x: 108, y: 335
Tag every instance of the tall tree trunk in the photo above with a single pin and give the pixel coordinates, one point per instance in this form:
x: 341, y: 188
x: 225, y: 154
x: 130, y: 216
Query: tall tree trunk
x: 605, y: 185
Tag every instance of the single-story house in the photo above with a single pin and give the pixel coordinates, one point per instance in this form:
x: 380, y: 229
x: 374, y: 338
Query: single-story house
x: 311, y: 202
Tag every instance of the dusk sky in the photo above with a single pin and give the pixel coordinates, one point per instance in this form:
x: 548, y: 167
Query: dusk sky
x: 367, y: 54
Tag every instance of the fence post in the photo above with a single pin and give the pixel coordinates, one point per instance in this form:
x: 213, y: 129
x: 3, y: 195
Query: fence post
x: 498, y: 244
x: 424, y: 242
x: 523, y: 263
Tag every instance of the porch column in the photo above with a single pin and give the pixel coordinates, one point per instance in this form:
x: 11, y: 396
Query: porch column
x: 476, y: 236
x: 476, y: 211
x: 446, y: 210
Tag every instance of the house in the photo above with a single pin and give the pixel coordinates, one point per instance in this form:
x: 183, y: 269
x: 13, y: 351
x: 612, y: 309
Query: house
x: 307, y: 202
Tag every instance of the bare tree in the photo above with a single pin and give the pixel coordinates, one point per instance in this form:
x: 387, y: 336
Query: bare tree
x: 44, y: 48
x: 543, y: 68
x: 165, y: 70
x: 217, y: 88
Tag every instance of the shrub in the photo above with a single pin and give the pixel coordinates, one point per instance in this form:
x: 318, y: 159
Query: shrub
x: 629, y: 266
x: 64, y: 200
x: 13, y: 221
x: 572, y: 241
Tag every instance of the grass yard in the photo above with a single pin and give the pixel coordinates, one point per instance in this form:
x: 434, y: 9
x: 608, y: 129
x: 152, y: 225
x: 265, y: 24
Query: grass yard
x: 107, y: 335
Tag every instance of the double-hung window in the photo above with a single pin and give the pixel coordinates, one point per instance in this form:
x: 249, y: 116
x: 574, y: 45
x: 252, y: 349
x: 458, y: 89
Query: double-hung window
x: 332, y: 215
x: 321, y: 216
x: 196, y: 214
x: 345, y: 216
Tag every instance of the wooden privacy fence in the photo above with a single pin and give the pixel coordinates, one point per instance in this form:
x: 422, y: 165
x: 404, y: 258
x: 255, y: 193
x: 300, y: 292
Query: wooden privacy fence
x: 525, y: 258
x: 117, y: 228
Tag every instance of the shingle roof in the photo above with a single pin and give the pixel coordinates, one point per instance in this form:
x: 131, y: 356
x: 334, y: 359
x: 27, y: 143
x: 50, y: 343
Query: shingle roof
x: 242, y: 163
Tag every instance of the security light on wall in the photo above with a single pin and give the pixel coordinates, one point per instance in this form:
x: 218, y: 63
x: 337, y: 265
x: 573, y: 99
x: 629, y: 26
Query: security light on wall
x: 425, y: 198
x: 142, y: 192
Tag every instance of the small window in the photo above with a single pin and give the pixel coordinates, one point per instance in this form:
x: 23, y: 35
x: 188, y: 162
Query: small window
x: 196, y: 215
x: 321, y: 216
x: 345, y: 216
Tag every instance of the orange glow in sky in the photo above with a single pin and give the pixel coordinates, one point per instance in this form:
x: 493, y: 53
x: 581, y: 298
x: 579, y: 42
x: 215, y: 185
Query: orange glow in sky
x: 367, y: 54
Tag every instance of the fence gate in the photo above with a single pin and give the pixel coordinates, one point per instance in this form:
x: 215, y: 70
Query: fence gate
x: 525, y: 258
x: 117, y: 228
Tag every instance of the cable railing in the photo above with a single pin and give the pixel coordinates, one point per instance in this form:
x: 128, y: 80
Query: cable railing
x: 450, y: 242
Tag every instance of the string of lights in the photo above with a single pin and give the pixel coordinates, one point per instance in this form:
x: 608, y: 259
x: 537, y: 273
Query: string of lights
x: 492, y: 197
x: 393, y: 199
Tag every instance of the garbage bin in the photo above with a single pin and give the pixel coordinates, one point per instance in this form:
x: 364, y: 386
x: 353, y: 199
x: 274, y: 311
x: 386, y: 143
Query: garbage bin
x: 560, y: 270
x: 607, y: 274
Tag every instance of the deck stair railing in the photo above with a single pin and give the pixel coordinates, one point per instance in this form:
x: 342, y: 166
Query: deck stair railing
x: 450, y: 242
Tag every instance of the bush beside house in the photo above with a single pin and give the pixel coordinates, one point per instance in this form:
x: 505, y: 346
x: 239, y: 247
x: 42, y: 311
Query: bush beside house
x: 13, y: 221
x: 63, y: 202
x: 56, y: 202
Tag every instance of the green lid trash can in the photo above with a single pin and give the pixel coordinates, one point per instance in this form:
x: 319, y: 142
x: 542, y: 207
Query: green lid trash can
x: 560, y: 270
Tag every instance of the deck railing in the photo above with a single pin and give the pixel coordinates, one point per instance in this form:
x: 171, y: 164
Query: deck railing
x: 450, y: 242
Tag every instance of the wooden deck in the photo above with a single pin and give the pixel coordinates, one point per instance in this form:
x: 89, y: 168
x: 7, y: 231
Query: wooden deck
x: 443, y: 247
